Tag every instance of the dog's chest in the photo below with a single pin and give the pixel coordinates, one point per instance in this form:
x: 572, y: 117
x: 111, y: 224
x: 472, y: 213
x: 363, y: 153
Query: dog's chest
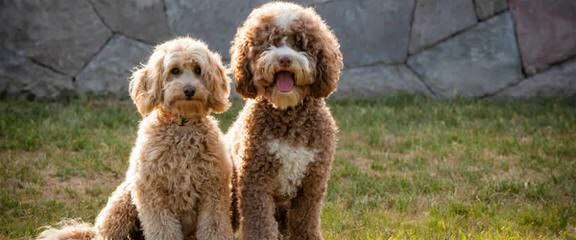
x: 294, y: 162
x: 171, y: 163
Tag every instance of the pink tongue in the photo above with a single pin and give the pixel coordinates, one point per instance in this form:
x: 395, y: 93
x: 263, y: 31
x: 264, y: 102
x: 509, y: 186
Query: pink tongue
x: 284, y: 81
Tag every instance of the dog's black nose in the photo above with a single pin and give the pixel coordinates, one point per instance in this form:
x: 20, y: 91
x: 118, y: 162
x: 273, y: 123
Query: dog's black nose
x: 285, y: 61
x: 189, y: 91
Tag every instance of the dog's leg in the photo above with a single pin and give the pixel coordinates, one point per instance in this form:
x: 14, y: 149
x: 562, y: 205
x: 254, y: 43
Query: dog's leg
x: 304, y: 212
x: 257, y: 209
x: 159, y: 224
x: 119, y: 216
x: 214, y: 219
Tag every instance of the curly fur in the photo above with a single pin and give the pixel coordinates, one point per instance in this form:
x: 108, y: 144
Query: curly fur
x: 284, y: 139
x: 68, y: 229
x: 178, y: 182
x: 306, y: 34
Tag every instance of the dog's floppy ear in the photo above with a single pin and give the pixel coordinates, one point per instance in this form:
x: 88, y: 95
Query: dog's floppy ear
x: 219, y: 82
x: 144, y: 84
x: 240, y: 64
x: 328, y: 62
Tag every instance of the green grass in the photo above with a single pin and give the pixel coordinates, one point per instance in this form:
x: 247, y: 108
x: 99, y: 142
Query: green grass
x: 405, y: 167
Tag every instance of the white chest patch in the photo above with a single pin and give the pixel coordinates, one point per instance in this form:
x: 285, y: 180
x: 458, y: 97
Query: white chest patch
x: 294, y: 162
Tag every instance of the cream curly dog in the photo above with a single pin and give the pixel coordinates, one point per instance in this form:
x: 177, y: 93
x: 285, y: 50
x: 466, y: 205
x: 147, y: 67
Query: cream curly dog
x: 178, y: 181
x: 285, y: 61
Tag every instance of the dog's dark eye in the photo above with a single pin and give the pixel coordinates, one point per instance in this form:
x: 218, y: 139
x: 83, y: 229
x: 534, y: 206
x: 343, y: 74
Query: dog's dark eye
x: 276, y: 42
x: 197, y: 70
x: 300, y: 42
x: 175, y: 71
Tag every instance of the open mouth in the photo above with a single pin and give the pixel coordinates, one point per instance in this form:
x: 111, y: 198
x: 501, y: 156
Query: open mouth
x: 284, y: 81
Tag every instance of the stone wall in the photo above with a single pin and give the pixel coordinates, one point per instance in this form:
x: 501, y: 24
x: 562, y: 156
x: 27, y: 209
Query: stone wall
x: 443, y: 48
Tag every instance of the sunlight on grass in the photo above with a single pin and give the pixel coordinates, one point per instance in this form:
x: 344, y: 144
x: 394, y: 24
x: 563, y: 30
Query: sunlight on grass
x: 405, y: 167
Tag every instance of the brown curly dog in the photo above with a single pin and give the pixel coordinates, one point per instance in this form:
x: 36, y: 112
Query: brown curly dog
x: 285, y: 61
x: 178, y: 181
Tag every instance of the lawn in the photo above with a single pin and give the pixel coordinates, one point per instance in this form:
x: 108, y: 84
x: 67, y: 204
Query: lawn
x: 405, y: 167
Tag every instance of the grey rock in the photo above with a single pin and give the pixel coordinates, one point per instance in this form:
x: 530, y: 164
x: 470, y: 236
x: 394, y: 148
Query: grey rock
x: 213, y: 21
x: 546, y: 31
x: 109, y: 71
x: 23, y: 79
x: 558, y: 81
x: 379, y: 80
x: 61, y: 34
x: 476, y: 63
x: 435, y: 20
x: 487, y: 8
x: 140, y: 19
x: 370, y: 31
